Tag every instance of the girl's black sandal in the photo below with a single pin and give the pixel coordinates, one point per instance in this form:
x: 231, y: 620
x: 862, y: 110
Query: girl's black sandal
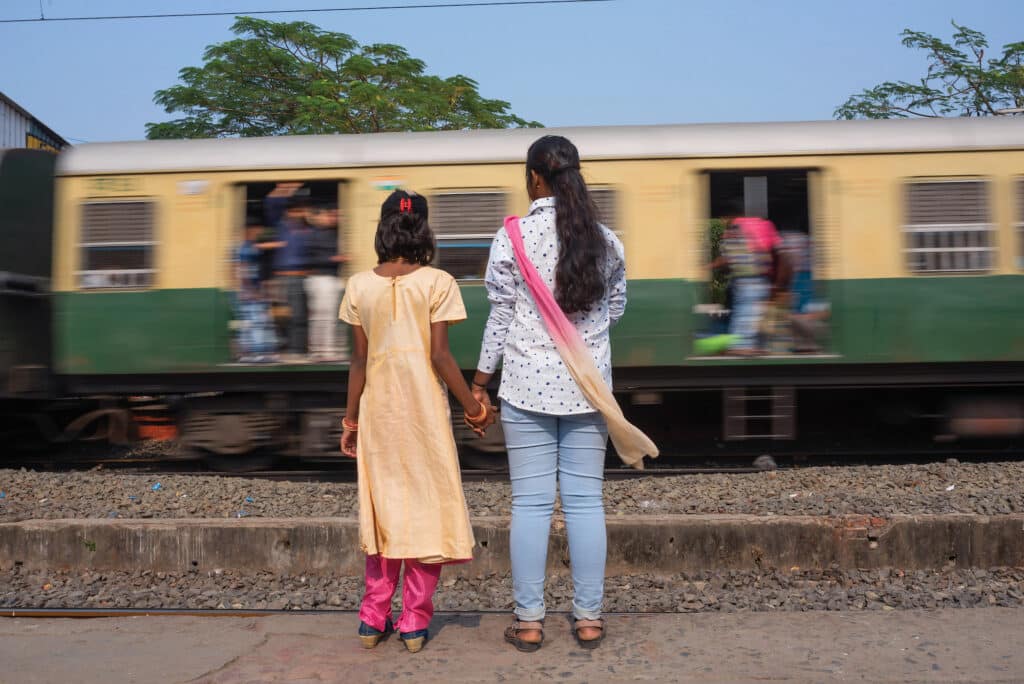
x: 588, y: 644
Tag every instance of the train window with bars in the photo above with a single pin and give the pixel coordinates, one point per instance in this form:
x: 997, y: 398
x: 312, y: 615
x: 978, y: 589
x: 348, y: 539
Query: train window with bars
x: 607, y: 202
x: 117, y: 245
x: 948, y: 227
x: 464, y: 224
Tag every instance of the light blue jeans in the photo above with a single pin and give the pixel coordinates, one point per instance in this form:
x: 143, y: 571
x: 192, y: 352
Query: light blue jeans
x: 544, y: 448
x: 748, y: 306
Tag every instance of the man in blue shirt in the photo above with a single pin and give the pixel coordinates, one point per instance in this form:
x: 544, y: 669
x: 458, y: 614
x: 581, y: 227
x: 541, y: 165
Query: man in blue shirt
x: 323, y: 286
x: 291, y: 266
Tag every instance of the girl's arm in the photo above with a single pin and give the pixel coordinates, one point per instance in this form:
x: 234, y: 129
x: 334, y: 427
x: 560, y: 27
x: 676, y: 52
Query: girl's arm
x: 356, y: 383
x: 446, y: 367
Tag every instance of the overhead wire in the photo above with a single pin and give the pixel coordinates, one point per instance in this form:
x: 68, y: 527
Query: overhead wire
x: 364, y: 8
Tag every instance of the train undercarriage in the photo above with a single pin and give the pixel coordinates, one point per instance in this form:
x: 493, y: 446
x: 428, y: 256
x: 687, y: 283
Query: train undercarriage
x: 771, y: 415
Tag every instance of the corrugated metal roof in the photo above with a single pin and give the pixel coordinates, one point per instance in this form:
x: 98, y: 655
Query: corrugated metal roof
x: 510, y: 145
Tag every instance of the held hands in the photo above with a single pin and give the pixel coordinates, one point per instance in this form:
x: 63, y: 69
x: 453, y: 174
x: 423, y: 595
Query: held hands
x: 486, y: 415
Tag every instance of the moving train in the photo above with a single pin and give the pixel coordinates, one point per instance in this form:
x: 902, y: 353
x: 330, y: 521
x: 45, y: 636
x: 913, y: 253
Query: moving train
x: 116, y: 279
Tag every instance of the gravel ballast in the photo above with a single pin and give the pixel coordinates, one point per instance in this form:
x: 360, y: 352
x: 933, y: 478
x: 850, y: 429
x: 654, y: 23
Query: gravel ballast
x: 983, y: 488
x: 727, y: 591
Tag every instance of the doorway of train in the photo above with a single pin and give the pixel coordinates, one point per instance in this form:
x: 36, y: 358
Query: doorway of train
x: 289, y: 267
x: 765, y: 292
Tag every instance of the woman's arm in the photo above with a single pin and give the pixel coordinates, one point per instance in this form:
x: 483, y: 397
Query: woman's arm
x: 446, y: 367
x: 617, y: 283
x: 501, y: 292
x: 356, y: 383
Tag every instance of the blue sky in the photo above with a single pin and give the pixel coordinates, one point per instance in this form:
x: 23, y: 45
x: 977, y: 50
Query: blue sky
x: 623, y: 62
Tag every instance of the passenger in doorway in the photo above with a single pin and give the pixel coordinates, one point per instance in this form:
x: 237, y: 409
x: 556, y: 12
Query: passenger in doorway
x: 749, y: 288
x: 412, y: 510
x: 323, y: 286
x: 796, y: 245
x: 275, y: 203
x: 256, y: 338
x: 751, y: 249
x: 291, y: 269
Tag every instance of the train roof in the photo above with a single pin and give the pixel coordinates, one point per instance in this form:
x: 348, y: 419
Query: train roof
x: 509, y: 145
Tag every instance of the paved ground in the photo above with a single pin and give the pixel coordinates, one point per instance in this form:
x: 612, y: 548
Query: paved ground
x: 904, y: 646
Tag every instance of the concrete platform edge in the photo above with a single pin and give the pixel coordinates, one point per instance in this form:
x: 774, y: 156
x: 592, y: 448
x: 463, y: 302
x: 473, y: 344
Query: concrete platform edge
x: 653, y: 544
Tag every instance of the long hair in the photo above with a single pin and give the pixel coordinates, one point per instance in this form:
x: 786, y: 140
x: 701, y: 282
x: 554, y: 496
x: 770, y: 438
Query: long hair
x: 582, y: 249
x: 403, y: 231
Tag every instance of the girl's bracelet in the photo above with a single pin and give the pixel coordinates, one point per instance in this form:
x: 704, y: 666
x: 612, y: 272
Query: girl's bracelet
x: 477, y: 385
x: 349, y: 425
x: 479, y: 418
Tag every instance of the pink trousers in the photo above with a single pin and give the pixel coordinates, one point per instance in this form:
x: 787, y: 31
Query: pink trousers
x: 417, y: 592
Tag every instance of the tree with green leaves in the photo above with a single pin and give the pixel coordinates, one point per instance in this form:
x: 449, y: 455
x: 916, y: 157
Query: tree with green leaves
x: 962, y: 80
x: 280, y: 78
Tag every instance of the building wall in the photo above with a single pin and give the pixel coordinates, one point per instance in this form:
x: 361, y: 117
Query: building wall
x: 18, y: 128
x: 13, y: 126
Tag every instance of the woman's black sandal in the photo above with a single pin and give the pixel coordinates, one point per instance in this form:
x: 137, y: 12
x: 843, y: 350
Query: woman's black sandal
x: 577, y: 625
x: 512, y: 635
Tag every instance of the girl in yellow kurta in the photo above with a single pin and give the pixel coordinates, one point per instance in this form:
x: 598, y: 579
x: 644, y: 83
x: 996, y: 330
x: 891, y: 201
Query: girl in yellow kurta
x: 411, y: 506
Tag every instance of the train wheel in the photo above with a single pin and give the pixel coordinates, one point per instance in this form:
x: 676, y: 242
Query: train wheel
x: 231, y: 442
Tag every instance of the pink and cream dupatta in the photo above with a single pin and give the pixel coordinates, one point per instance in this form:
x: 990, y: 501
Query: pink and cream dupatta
x: 630, y: 443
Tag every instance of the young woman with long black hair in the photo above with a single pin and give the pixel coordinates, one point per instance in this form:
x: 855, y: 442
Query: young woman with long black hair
x: 552, y: 432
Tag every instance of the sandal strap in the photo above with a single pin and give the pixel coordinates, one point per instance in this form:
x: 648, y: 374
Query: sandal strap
x: 519, y: 625
x: 596, y: 624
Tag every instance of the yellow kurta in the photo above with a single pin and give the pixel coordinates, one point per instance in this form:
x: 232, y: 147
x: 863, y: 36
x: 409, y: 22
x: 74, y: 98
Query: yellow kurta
x: 411, y: 503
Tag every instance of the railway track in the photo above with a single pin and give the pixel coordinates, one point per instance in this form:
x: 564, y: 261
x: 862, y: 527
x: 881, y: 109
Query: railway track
x: 343, y: 470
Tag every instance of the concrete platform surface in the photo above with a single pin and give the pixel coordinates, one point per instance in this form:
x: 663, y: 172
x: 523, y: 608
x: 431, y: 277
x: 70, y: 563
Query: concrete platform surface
x: 982, y: 645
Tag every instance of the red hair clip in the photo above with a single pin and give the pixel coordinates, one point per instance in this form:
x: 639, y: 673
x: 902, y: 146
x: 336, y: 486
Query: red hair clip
x: 405, y: 205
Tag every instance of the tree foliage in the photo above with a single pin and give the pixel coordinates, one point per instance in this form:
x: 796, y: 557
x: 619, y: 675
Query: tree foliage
x: 281, y: 78
x: 961, y: 81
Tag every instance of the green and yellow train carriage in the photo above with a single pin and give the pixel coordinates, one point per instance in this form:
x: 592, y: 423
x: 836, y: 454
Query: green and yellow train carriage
x: 916, y: 229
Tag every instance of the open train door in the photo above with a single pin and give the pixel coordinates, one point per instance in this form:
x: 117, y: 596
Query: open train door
x: 770, y: 240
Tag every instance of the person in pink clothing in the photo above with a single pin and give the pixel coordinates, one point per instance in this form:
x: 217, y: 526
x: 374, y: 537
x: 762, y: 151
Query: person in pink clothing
x: 412, y: 510
x: 751, y: 248
x: 760, y: 233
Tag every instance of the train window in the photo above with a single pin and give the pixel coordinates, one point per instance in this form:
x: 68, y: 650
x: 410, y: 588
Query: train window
x: 464, y: 224
x: 948, y: 227
x: 117, y: 245
x: 607, y: 202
